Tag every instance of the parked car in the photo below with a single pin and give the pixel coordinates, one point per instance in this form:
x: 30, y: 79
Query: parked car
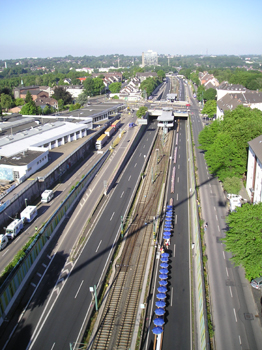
x: 256, y: 283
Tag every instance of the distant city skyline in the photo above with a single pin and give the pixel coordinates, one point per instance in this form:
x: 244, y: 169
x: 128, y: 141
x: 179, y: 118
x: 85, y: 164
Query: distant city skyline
x: 61, y: 28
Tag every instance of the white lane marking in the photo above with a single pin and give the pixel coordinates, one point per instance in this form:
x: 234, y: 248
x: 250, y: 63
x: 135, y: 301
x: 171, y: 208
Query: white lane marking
x: 147, y: 139
x: 144, y: 146
x: 216, y: 218
x: 179, y: 156
x: 235, y: 314
x: 5, y: 252
x: 122, y: 194
x: 230, y: 291
x: 218, y: 228
x: 178, y: 166
x: 17, y: 239
x: 174, y: 251
x: 178, y: 179
x: 98, y: 246
x: 53, y: 346
x: 224, y: 255
x: 177, y: 197
x: 140, y: 154
x: 129, y: 178
x: 215, y: 208
x: 227, y: 271
x: 239, y: 340
x: 209, y: 185
x: 176, y: 219
x: 171, y: 296
x: 112, y: 216
x: 135, y: 165
x: 79, y: 289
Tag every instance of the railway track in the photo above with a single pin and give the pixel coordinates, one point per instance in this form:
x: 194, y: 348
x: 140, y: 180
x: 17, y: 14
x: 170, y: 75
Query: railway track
x: 116, y: 326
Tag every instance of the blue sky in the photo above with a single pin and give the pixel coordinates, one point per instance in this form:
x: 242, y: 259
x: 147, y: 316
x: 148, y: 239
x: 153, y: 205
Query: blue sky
x: 58, y: 28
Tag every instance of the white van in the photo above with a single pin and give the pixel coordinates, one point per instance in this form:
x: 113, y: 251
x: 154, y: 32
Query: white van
x: 3, y: 241
x: 14, y: 228
x: 46, y: 196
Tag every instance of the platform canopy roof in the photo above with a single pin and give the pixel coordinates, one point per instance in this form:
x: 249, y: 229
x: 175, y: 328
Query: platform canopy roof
x: 166, y: 116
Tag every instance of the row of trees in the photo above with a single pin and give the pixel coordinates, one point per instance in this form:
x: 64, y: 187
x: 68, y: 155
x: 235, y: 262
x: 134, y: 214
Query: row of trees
x: 225, y: 142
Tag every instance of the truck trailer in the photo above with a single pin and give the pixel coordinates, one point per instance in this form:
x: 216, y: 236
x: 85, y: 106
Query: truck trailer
x: 109, y: 131
x: 29, y: 213
x: 116, y: 124
x: 101, y: 141
x: 14, y: 228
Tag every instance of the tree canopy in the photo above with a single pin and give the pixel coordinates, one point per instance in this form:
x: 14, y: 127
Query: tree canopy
x: 31, y: 109
x: 61, y: 93
x: 149, y: 85
x: 210, y: 108
x: 244, y: 238
x: 141, y: 112
x: 210, y: 94
x: 115, y: 87
x: 226, y: 141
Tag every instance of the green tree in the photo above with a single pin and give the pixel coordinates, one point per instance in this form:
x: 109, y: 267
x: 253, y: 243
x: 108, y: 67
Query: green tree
x: 61, y: 93
x: 47, y: 110
x: 243, y: 239
x: 28, y: 97
x: 19, y: 101
x: 6, y: 101
x: 82, y: 99
x: 60, y: 104
x: 210, y: 108
x: 89, y: 86
x: 141, y: 112
x: 115, y: 87
x: 200, y: 93
x: 226, y: 141
x: 98, y: 86
x: 210, y: 94
x: 161, y: 74
x: 223, y: 157
x: 29, y: 109
x: 232, y: 185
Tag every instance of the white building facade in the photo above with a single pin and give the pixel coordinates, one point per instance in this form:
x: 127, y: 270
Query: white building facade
x: 254, y: 170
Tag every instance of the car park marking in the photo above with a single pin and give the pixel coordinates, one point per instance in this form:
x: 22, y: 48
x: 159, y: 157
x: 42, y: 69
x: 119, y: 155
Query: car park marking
x: 171, y: 296
x: 174, y: 254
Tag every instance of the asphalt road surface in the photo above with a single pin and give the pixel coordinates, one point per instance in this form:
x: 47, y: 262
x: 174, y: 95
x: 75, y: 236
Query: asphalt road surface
x: 234, y: 312
x: 57, y: 313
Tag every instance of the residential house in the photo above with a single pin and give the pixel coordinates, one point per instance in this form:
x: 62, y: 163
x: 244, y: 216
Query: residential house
x: 254, y: 170
x: 145, y: 75
x: 232, y: 96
